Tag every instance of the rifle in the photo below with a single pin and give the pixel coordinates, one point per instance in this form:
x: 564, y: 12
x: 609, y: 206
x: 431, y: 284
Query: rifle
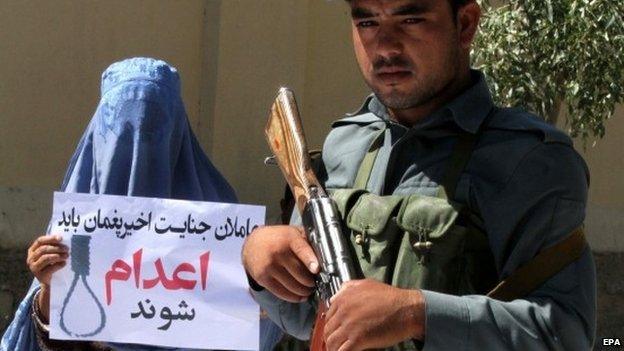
x: 321, y: 219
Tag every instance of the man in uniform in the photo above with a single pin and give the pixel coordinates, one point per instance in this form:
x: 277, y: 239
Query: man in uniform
x: 520, y: 177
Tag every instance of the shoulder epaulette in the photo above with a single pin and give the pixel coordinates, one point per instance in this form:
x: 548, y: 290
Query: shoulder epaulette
x: 519, y: 120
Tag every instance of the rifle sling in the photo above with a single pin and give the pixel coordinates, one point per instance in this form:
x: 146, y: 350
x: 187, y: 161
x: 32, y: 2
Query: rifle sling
x: 542, y: 267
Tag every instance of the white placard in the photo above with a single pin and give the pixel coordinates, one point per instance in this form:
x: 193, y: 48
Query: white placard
x: 157, y: 271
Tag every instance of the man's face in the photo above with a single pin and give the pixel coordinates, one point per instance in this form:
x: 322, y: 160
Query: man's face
x: 407, y: 50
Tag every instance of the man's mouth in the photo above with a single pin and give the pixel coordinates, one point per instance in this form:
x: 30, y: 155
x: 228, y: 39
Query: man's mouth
x: 392, y: 75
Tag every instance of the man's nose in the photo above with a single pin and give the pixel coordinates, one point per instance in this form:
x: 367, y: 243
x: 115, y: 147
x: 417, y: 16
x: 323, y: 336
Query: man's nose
x: 389, y: 44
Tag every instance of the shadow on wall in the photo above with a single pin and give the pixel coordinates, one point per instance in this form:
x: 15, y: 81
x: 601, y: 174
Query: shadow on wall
x: 15, y: 279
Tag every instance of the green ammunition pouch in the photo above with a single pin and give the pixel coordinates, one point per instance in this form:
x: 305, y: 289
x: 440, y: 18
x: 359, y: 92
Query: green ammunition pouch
x: 416, y: 241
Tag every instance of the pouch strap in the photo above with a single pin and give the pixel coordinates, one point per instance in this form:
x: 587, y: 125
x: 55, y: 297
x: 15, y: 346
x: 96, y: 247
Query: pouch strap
x: 459, y: 159
x: 462, y: 152
x: 542, y: 267
x: 366, y: 167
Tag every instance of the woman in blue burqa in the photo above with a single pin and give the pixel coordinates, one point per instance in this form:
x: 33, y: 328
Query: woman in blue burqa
x: 138, y: 143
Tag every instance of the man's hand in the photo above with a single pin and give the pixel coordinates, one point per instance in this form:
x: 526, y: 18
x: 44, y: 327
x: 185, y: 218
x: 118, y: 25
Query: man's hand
x: 367, y: 314
x: 280, y: 259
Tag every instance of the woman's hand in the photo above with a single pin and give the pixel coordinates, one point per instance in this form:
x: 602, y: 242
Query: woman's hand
x: 46, y: 255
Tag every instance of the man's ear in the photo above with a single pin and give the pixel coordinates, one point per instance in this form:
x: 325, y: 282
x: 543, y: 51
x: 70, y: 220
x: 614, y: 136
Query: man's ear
x: 468, y: 17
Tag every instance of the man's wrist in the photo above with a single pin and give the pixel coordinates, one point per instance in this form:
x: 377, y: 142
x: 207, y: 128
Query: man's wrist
x: 416, y: 315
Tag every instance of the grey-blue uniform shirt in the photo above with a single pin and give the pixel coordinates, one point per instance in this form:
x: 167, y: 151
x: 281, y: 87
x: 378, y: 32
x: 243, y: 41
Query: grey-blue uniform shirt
x: 526, y: 182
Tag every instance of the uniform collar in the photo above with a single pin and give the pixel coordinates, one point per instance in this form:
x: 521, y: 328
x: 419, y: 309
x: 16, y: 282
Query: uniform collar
x: 471, y: 107
x: 468, y: 110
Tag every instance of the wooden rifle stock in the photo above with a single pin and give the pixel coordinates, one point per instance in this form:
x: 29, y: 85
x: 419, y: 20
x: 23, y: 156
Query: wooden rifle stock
x: 285, y: 136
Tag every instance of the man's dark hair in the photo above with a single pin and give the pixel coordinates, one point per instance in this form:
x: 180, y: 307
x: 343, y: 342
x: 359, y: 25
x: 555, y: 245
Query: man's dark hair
x: 455, y: 5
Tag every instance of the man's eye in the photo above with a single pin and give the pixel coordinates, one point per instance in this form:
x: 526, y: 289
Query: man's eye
x: 412, y: 20
x: 366, y: 24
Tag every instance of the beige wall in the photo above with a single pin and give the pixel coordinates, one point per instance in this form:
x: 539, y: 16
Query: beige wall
x: 52, y: 54
x: 260, y: 49
x: 264, y: 45
x: 232, y: 55
x: 605, y: 213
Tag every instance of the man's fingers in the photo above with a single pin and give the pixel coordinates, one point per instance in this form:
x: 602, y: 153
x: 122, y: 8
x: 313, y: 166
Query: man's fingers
x: 280, y: 291
x: 332, y: 324
x: 300, y: 272
x: 341, y: 340
x: 347, y: 345
x: 288, y: 282
x: 348, y: 285
x: 304, y: 252
x: 335, y: 338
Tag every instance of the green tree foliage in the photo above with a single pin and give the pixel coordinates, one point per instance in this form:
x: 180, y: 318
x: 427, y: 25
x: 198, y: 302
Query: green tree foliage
x: 545, y: 55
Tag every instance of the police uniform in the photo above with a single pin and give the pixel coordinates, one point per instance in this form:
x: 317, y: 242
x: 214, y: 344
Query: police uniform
x: 523, y: 185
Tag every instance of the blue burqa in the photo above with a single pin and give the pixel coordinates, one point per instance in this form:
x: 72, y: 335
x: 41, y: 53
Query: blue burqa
x: 139, y: 142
